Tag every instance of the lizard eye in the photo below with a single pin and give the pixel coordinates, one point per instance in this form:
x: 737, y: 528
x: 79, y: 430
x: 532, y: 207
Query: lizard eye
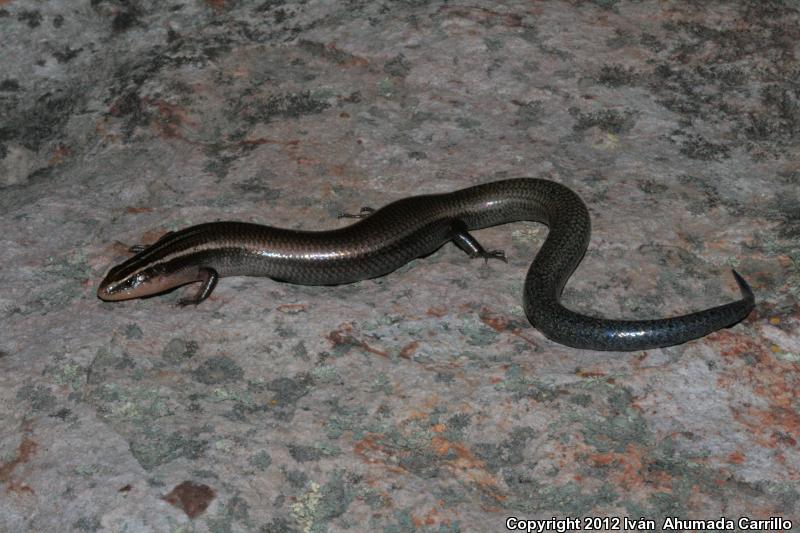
x: 131, y: 282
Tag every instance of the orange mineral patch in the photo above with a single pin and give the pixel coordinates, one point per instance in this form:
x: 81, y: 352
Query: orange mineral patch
x: 736, y: 458
x: 25, y: 450
x: 774, y: 380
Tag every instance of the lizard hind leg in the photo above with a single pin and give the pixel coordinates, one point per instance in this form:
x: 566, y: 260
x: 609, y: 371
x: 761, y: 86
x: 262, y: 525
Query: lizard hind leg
x: 472, y: 247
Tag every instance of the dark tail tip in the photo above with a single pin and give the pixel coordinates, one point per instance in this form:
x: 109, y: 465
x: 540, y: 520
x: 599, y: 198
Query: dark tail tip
x: 747, y: 292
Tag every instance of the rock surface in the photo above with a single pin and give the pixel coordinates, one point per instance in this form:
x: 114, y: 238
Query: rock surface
x: 421, y: 401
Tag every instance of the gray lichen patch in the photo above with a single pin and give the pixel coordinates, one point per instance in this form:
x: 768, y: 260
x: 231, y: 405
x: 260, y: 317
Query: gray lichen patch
x: 38, y: 397
x: 302, y: 453
x: 607, y: 120
x: 153, y: 447
x: 261, y: 460
x: 508, y: 453
x: 217, y: 370
x: 179, y: 350
x: 321, y: 503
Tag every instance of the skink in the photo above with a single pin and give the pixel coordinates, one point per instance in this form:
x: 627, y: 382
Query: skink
x: 409, y: 228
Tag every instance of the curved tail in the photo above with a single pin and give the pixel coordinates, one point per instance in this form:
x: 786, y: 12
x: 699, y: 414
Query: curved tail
x: 558, y: 323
